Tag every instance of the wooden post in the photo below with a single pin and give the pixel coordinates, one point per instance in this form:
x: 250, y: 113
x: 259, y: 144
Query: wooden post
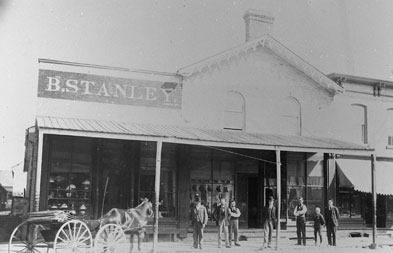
x: 37, y: 192
x: 278, y: 171
x: 157, y: 194
x: 374, y: 196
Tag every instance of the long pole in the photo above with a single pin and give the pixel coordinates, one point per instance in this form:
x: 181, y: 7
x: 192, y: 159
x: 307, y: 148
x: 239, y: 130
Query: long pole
x: 374, y: 194
x: 157, y: 194
x: 104, y: 195
x: 278, y: 172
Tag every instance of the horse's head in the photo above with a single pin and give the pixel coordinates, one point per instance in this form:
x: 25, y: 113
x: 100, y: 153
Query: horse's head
x: 149, y: 208
x: 145, y: 207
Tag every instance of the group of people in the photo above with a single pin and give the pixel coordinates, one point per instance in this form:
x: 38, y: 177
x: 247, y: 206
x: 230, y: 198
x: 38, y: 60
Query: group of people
x: 228, y: 222
x: 330, y: 221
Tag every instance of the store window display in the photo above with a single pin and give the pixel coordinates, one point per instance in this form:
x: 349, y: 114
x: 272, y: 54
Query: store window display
x: 69, y: 175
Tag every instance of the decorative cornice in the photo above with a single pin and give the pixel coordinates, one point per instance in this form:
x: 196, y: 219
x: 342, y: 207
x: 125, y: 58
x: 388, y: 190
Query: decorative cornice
x: 273, y: 45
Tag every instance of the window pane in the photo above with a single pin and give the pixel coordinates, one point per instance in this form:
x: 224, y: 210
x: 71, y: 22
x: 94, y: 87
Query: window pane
x: 233, y: 120
x: 234, y: 102
x: 358, y: 124
x: 234, y: 111
x: 290, y: 117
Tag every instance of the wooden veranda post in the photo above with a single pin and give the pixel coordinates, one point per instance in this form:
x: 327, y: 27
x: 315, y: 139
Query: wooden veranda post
x: 157, y: 194
x: 374, y: 196
x: 278, y: 169
x: 36, y: 194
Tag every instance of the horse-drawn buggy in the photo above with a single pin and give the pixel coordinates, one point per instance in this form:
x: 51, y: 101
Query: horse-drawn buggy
x: 65, y: 232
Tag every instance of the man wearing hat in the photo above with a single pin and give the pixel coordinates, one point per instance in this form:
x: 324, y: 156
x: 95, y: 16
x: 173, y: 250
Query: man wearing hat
x: 269, y: 218
x: 300, y: 213
x: 332, y: 215
x: 222, y: 214
x: 199, y: 220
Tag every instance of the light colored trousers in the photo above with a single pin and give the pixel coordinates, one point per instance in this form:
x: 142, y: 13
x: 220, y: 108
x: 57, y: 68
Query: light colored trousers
x: 233, y: 228
x: 222, y: 226
x: 268, y: 227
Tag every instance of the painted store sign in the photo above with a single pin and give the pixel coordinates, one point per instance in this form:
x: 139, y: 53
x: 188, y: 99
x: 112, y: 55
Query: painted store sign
x: 105, y: 89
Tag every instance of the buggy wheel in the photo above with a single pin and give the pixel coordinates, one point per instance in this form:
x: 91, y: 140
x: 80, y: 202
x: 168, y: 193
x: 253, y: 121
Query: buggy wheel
x: 110, y: 239
x: 26, y: 237
x: 73, y: 236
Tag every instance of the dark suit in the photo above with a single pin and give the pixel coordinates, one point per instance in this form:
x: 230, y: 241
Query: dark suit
x: 331, y: 217
x: 199, y: 220
x: 223, y: 216
x: 269, y: 217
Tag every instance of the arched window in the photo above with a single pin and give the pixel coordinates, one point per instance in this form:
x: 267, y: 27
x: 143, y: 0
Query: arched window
x: 290, y: 117
x: 234, y: 114
x: 389, y: 127
x: 359, y: 126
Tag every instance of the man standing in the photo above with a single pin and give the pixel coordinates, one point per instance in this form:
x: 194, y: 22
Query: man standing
x: 300, y: 213
x: 331, y: 216
x: 234, y: 214
x: 223, y: 222
x: 199, y: 220
x: 269, y: 218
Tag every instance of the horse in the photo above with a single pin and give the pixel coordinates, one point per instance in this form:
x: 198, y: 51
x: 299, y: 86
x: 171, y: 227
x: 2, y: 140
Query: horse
x: 131, y: 220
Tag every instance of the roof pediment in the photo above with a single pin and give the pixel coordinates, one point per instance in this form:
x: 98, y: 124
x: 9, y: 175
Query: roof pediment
x: 273, y: 45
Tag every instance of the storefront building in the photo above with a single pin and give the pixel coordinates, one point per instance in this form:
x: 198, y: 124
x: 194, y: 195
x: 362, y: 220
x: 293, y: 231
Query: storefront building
x: 370, y: 103
x: 253, y: 121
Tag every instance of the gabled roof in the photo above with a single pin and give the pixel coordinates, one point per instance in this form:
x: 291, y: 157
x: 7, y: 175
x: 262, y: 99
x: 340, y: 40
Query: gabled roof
x: 277, y: 48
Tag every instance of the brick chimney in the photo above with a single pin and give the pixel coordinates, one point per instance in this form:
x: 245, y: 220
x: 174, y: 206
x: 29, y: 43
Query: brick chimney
x: 258, y: 23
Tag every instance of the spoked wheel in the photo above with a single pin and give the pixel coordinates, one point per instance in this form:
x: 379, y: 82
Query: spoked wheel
x: 110, y: 239
x: 26, y: 237
x: 73, y: 236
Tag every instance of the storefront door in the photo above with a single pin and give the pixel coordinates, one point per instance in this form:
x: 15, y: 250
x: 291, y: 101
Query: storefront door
x: 247, y: 199
x: 253, y: 210
x: 113, y: 169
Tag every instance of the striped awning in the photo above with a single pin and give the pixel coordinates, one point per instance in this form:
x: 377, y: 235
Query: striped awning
x: 191, y: 135
x: 356, y: 174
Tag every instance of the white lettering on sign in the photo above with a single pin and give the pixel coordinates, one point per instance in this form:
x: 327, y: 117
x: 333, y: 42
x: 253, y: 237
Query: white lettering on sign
x: 85, y: 87
x: 71, y: 85
x: 53, y: 83
x: 103, y: 91
x: 151, y: 93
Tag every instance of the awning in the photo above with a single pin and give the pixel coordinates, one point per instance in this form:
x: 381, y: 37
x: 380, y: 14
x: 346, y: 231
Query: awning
x: 194, y: 136
x: 357, y: 174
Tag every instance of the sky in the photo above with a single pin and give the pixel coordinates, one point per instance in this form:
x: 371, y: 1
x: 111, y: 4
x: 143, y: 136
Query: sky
x: 343, y: 36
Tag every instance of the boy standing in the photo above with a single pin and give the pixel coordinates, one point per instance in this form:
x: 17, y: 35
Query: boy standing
x: 319, y: 221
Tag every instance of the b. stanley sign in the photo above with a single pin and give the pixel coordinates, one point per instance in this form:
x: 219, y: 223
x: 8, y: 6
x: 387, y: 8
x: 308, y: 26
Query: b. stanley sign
x: 104, y: 89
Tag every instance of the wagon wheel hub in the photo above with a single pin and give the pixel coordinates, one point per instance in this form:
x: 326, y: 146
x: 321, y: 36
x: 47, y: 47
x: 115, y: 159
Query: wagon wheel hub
x: 112, y: 248
x: 30, y: 246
